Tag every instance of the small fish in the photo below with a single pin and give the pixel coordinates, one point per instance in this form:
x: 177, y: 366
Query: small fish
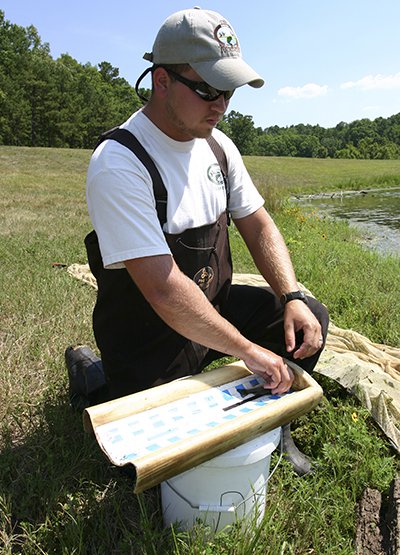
x: 258, y: 390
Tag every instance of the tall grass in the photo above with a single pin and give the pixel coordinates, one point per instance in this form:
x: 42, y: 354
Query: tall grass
x: 58, y: 494
x: 311, y: 175
x: 359, y: 286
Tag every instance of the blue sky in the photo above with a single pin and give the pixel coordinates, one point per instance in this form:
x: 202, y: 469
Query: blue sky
x: 323, y: 61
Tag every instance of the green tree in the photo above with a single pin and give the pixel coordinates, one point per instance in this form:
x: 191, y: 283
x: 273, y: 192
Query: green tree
x: 348, y: 152
x: 242, y: 132
x: 378, y: 150
x: 359, y: 130
x: 46, y: 102
x: 43, y: 98
x: 108, y: 72
x: 14, y: 65
x: 310, y: 147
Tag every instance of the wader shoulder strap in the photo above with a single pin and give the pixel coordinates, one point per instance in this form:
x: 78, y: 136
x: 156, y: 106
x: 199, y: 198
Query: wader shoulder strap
x: 127, y: 139
x: 220, y: 155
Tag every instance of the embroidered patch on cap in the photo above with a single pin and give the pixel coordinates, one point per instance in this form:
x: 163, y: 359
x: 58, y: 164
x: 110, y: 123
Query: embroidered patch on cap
x: 226, y: 36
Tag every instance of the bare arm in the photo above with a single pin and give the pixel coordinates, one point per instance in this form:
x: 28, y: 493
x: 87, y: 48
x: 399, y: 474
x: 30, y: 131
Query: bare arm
x: 185, y: 308
x: 268, y: 250
x: 272, y: 258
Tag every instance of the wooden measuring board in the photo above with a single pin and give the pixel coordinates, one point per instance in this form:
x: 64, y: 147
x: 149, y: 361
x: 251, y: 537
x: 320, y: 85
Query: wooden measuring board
x: 168, y: 429
x: 167, y: 424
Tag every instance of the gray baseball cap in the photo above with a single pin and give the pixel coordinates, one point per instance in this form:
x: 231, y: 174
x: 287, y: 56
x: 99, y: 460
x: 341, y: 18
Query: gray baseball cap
x: 207, y: 42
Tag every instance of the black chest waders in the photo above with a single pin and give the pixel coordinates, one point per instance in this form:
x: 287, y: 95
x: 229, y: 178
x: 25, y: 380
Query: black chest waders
x: 137, y: 347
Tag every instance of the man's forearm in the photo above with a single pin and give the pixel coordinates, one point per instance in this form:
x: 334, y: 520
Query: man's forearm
x: 184, y: 307
x: 271, y: 256
x: 268, y: 250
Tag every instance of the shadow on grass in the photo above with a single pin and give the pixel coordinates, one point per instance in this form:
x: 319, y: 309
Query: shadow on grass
x: 60, y: 494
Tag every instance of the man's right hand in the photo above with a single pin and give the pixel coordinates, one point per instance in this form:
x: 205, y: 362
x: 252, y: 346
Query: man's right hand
x: 277, y: 374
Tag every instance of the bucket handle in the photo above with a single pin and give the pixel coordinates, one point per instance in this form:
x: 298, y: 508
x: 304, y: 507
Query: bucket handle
x: 217, y: 508
x: 228, y: 508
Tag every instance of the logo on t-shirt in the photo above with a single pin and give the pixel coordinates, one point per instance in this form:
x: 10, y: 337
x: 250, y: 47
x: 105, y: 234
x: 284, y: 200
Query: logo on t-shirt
x: 214, y: 174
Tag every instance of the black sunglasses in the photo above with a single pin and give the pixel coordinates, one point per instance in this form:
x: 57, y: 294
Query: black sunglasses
x: 201, y: 88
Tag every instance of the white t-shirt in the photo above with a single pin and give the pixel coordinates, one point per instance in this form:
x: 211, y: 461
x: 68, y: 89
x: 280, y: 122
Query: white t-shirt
x: 120, y: 194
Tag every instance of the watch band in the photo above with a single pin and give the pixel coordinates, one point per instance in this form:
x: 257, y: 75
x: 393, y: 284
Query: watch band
x: 292, y: 296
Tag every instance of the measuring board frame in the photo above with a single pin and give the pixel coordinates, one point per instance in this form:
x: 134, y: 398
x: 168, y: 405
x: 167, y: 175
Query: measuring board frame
x: 168, y: 429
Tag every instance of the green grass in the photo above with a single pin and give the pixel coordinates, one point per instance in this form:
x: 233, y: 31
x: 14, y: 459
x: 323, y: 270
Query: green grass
x: 311, y: 175
x: 359, y: 286
x: 58, y: 494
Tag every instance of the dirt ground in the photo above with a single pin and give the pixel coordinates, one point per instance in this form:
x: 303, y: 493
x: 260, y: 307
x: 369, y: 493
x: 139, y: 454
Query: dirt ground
x: 378, y: 522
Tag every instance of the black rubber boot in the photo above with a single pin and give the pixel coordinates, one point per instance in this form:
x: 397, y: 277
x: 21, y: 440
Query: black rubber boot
x: 301, y: 463
x: 87, y: 383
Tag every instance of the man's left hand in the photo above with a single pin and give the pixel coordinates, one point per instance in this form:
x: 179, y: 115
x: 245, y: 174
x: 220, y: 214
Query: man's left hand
x: 298, y: 317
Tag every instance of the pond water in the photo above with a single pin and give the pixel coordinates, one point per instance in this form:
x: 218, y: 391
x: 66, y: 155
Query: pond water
x: 375, y: 212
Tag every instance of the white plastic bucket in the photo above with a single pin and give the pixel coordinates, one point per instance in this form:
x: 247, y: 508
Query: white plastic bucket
x: 225, y: 489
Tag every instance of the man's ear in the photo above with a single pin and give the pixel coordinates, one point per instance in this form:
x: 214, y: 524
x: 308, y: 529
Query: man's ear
x: 161, y: 81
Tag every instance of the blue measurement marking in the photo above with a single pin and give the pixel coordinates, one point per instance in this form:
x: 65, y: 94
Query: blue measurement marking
x: 129, y: 456
x: 116, y: 439
x: 168, y: 429
x: 153, y: 447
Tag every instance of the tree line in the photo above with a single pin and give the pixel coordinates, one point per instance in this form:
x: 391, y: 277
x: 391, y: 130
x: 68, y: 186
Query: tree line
x: 55, y: 103
x: 63, y: 103
x: 377, y: 139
